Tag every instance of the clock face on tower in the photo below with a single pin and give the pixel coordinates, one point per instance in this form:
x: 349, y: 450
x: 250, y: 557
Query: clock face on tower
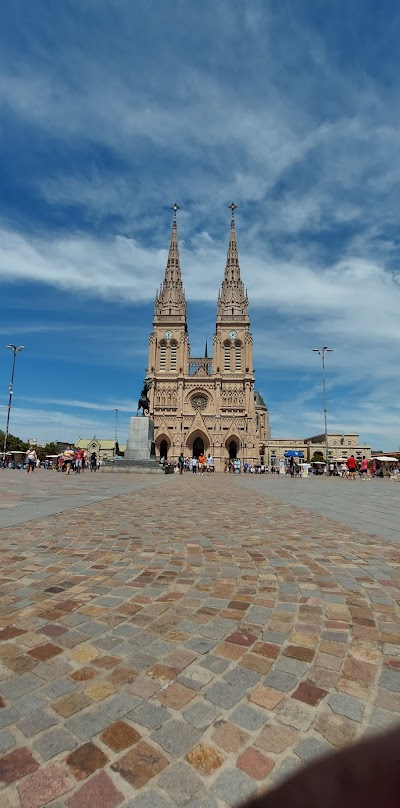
x: 232, y: 334
x: 168, y: 334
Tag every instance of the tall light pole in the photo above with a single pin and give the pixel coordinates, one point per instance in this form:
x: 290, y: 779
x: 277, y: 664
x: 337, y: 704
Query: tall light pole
x: 116, y: 430
x: 15, y: 349
x: 322, y: 352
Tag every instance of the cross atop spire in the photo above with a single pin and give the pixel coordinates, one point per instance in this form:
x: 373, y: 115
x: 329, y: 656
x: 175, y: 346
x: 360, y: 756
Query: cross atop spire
x: 170, y: 301
x: 233, y: 207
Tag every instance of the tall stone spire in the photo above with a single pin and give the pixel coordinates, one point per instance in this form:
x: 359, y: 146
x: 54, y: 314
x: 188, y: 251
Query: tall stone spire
x: 232, y: 299
x: 170, y: 301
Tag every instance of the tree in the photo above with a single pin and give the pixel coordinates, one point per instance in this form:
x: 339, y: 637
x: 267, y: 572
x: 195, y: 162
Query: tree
x: 14, y: 444
x: 48, y: 449
x: 317, y: 457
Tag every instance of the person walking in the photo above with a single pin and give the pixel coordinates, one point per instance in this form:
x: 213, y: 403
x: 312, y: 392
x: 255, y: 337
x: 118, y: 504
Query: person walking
x: 68, y: 458
x: 93, y: 462
x: 181, y: 462
x: 194, y: 465
x: 364, y: 468
x: 30, y: 460
x: 352, y: 467
x: 79, y: 455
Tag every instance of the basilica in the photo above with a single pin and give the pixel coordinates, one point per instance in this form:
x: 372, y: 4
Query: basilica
x: 208, y: 403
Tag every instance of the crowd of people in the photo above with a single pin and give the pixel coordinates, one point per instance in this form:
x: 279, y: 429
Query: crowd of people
x: 70, y: 460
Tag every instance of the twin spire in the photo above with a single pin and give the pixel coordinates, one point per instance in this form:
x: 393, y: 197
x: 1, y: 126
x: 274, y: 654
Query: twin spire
x: 232, y: 298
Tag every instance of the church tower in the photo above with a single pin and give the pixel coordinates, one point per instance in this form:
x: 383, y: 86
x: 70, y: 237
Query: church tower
x: 205, y: 404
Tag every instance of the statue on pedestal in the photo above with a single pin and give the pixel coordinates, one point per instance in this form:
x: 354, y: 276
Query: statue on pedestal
x: 144, y: 403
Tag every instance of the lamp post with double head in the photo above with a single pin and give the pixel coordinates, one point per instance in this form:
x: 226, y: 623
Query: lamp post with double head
x: 15, y: 349
x: 322, y: 352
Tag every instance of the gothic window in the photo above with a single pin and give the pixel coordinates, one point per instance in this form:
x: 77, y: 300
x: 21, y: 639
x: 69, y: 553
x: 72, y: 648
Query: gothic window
x: 174, y: 347
x: 227, y: 356
x: 238, y: 356
x: 163, y: 355
x: 199, y: 402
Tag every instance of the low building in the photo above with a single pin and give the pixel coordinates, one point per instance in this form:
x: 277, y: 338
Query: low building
x: 105, y: 449
x: 339, y: 446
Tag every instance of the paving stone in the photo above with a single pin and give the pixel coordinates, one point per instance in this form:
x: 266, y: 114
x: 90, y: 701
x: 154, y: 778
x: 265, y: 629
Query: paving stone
x: 17, y: 764
x: 44, y: 786
x: 86, y: 725
x: 149, y: 715
x: 281, y: 681
x: 85, y: 760
x: 176, y: 737
x: 277, y: 637
x: 36, y: 722
x: 141, y: 764
x: 8, y: 715
x: 149, y: 799
x: 225, y: 695
x: 229, y: 737
x: 337, y: 730
x: 180, y: 782
x: 71, y: 704
x: 383, y: 718
x: 248, y: 718
x: 234, y: 787
x: 203, y: 800
x: 205, y: 759
x: 201, y: 714
x: 58, y: 688
x: 311, y: 748
x: 347, y: 706
x: 120, y: 736
x: 309, y: 693
x: 276, y: 739
x: 19, y: 686
x: 288, y: 665
x: 390, y: 679
x: 255, y: 764
x: 295, y: 715
x: 242, y: 678
x: 7, y: 740
x: 100, y: 791
x: 53, y: 742
x: 284, y: 770
x: 200, y: 644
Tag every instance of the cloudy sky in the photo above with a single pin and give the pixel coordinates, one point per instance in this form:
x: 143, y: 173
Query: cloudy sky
x: 111, y: 110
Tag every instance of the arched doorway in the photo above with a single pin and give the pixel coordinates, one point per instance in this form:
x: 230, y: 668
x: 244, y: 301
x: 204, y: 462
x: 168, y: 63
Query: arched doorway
x: 198, y: 447
x: 163, y: 449
x: 232, y: 449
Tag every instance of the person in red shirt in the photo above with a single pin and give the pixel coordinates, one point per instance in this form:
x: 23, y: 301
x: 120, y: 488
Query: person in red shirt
x: 79, y: 455
x: 352, y: 467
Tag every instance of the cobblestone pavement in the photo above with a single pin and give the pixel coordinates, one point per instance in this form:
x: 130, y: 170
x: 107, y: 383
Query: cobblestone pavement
x: 188, y: 645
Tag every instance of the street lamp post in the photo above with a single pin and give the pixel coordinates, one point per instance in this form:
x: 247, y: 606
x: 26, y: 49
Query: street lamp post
x: 116, y: 431
x: 322, y: 352
x: 15, y: 349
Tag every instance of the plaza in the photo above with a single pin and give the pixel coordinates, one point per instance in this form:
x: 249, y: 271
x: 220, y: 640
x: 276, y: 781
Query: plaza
x: 190, y: 640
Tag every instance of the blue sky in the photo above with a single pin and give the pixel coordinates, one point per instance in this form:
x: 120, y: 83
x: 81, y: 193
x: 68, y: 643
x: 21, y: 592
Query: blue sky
x: 110, y: 111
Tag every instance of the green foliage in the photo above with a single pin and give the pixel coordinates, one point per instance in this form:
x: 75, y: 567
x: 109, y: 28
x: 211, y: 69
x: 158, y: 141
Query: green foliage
x: 14, y: 444
x: 49, y: 449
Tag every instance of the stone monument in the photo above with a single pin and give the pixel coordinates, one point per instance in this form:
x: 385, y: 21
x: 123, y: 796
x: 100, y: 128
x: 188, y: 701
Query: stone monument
x: 140, y: 453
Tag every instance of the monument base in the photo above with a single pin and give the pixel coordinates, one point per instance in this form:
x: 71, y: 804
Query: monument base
x: 140, y: 453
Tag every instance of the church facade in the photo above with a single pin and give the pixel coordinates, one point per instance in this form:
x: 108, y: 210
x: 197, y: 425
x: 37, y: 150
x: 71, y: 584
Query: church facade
x: 205, y: 404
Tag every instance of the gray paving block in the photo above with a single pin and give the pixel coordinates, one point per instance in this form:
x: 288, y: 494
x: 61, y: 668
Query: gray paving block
x: 120, y: 704
x: 289, y: 665
x: 53, y: 742
x: 241, y: 677
x: 201, y: 714
x: 259, y: 615
x: 149, y: 799
x: 176, y: 737
x: 224, y: 694
x: 26, y: 704
x: 85, y: 725
x: 311, y: 748
x: 125, y: 630
x: 214, y: 663
x: 203, y: 800
x: 150, y: 715
x: 390, y: 679
x: 201, y: 645
x: 18, y: 686
x: 106, y: 643
x: 248, y: 717
x: 383, y: 718
x: 53, y: 669
x: 285, y: 770
x: 234, y: 787
x: 36, y: 722
x: 7, y: 740
x: 347, y: 705
x: 281, y: 681
x: 180, y: 782
x: 277, y: 637
x: 60, y: 687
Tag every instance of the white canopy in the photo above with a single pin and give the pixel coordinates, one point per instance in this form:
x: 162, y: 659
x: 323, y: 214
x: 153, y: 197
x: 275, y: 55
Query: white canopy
x: 385, y: 458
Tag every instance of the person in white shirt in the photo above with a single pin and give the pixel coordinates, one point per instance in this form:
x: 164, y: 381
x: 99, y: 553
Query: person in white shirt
x: 210, y: 463
x: 195, y: 463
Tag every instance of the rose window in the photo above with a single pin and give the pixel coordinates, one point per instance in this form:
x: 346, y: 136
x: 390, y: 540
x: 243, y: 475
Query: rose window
x: 199, y: 402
